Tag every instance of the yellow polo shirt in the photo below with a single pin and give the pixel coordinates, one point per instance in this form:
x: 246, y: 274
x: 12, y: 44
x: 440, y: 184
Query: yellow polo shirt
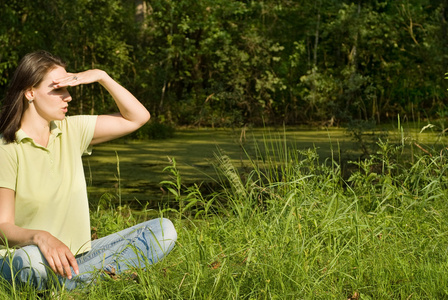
x: 49, y: 182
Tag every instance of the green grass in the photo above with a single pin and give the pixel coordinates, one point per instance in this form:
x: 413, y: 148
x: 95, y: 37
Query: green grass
x: 286, y: 222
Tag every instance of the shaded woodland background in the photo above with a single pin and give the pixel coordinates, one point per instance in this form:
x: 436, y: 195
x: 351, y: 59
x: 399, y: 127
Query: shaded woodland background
x: 229, y: 63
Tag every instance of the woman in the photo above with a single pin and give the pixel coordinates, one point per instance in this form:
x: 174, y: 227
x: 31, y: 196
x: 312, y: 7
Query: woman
x: 44, y: 215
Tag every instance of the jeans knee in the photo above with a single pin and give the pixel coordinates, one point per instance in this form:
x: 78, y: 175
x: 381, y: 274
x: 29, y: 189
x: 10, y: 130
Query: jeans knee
x: 29, y: 266
x: 168, y: 230
x: 160, y: 234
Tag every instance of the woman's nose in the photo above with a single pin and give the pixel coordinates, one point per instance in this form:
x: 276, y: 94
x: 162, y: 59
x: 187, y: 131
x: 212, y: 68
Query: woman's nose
x: 67, y: 97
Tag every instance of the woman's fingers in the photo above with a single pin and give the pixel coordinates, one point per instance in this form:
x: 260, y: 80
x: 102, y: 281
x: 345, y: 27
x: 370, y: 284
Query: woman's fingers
x: 59, y: 257
x: 73, y: 79
x: 59, y: 265
x: 73, y: 263
x: 66, y: 266
x: 55, y: 264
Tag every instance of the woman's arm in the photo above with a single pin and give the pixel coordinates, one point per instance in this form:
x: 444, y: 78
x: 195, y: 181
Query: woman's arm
x: 58, y: 255
x: 132, y: 114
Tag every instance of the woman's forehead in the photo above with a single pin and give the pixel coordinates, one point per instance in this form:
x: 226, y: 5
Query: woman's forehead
x: 55, y: 73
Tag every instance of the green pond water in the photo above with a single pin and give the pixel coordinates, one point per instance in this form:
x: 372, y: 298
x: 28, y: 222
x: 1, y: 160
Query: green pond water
x: 134, y: 169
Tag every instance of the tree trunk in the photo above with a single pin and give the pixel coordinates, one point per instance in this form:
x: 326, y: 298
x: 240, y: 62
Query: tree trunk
x: 140, y: 11
x: 316, y: 38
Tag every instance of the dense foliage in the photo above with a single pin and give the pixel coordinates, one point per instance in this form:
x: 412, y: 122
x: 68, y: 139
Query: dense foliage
x: 230, y: 62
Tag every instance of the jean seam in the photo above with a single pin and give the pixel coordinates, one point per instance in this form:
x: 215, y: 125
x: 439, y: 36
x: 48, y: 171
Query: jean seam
x: 109, y: 245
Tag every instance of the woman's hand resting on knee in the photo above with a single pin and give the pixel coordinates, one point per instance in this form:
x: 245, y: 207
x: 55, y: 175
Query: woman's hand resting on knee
x: 57, y: 254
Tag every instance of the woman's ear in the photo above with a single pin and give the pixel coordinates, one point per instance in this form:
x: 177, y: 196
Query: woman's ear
x: 29, y: 94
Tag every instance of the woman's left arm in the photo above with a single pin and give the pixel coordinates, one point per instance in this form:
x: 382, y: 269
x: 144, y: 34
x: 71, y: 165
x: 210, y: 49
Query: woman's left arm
x: 132, y: 114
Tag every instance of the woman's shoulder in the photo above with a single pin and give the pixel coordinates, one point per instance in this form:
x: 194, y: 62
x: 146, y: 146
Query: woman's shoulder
x: 10, y: 149
x: 75, y: 121
x: 4, y: 144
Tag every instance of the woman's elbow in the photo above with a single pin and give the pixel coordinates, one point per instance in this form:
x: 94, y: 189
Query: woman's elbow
x: 148, y: 116
x: 141, y: 120
x: 144, y: 118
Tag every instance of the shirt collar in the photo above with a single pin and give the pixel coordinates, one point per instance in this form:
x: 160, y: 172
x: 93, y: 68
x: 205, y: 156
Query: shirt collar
x: 21, y: 135
x: 54, y: 131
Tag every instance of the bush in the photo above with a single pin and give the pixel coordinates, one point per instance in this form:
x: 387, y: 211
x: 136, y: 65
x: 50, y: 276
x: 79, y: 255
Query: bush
x: 154, y: 131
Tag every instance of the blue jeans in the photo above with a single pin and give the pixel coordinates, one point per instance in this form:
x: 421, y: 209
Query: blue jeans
x: 135, y: 247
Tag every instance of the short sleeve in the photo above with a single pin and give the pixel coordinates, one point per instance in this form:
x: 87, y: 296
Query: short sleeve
x: 85, y: 126
x: 8, y: 170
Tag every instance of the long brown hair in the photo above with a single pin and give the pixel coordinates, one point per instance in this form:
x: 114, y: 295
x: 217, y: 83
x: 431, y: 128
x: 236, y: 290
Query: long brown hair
x: 30, y: 72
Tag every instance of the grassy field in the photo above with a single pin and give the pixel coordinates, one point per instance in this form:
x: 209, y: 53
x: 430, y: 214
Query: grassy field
x: 286, y: 215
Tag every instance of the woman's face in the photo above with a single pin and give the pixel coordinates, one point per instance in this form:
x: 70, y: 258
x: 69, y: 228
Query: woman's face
x: 50, y: 103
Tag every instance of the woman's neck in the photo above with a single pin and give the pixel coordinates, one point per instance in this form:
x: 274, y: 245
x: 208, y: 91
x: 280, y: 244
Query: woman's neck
x: 36, y: 128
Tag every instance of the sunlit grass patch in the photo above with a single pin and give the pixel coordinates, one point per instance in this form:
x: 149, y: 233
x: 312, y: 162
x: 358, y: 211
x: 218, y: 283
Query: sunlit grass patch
x: 289, y: 224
